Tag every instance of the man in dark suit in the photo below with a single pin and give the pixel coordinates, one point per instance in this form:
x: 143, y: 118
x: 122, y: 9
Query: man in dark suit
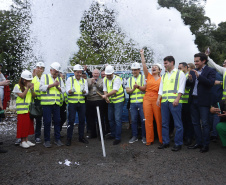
x: 201, y: 80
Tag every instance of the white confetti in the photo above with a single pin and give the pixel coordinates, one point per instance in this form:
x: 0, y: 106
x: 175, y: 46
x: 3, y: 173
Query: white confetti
x: 67, y: 162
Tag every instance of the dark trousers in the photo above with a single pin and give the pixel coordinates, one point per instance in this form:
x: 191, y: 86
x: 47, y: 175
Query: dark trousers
x: 49, y: 110
x: 187, y: 123
x: 106, y: 121
x: 38, y: 121
x: 200, y: 115
x: 63, y: 114
x: 72, y: 109
x: 92, y: 119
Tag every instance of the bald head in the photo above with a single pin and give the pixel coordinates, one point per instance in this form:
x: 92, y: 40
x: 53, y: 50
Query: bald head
x: 96, y: 73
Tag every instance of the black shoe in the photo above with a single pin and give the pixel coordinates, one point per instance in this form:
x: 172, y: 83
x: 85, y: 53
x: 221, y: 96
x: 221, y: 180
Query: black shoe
x: 68, y: 142
x: 1, y: 143
x: 109, y: 137
x: 195, y: 146
x: 83, y: 140
x: 188, y: 142
x: 162, y: 146
x: 204, y: 149
x: 115, y: 142
x: 3, y: 151
x: 213, y: 139
x: 176, y: 148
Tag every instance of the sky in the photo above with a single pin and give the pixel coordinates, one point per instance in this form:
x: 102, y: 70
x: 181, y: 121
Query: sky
x: 215, y: 9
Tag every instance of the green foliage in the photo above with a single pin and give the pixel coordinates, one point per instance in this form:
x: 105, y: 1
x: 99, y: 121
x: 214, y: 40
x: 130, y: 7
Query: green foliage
x: 102, y: 41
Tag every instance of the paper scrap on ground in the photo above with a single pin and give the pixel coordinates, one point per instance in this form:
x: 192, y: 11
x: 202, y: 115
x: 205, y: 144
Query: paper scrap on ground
x: 67, y: 162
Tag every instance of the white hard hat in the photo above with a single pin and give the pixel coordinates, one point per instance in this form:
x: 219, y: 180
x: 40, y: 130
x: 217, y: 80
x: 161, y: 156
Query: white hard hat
x: 56, y: 66
x: 109, y: 70
x: 77, y: 67
x: 157, y: 64
x: 135, y: 65
x: 26, y: 75
x: 40, y: 64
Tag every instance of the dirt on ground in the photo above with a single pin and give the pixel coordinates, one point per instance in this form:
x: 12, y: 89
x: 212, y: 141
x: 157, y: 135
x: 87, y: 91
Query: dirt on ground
x: 124, y: 163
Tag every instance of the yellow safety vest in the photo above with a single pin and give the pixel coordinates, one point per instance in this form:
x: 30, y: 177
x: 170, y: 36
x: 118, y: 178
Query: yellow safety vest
x: 52, y: 95
x: 63, y: 98
x: 224, y: 87
x: 185, y: 96
x: 171, y: 86
x: 137, y: 95
x: 77, y: 96
x: 119, y: 96
x: 36, y: 83
x: 22, y: 105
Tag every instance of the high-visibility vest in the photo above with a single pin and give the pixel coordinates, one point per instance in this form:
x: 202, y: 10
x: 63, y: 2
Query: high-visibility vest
x: 36, y: 83
x: 117, y: 97
x: 77, y: 96
x: 185, y: 96
x: 171, y: 86
x: 52, y: 95
x: 22, y: 105
x: 224, y: 87
x: 137, y: 95
x: 63, y: 97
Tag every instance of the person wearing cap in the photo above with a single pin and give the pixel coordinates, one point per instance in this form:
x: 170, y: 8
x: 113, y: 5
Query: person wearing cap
x: 151, y: 110
x: 171, y: 88
x: 76, y: 88
x: 40, y: 67
x: 114, y: 95
x: 136, y: 88
x: 24, y: 91
x: 51, y: 87
x: 186, y: 114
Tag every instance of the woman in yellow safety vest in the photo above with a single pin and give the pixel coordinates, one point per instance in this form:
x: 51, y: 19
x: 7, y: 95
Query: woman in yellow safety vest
x: 24, y: 91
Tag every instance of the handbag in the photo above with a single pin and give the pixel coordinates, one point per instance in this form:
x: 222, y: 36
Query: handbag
x: 35, y: 109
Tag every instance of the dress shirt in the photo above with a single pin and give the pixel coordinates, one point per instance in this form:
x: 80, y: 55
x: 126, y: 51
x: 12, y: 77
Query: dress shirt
x: 182, y: 82
x: 195, y: 91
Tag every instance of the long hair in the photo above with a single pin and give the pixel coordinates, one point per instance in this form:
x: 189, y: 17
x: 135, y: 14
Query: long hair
x: 21, y: 84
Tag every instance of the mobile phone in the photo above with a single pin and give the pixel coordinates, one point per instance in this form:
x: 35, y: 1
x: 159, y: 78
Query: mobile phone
x: 219, y: 107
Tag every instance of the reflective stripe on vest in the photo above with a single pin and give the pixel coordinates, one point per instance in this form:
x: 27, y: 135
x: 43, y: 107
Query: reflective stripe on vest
x: 170, y: 87
x: 137, y: 95
x: 52, y: 95
x: 36, y: 83
x: 184, y: 98
x: 77, y: 96
x: 224, y: 87
x: 118, y: 96
x: 22, y: 105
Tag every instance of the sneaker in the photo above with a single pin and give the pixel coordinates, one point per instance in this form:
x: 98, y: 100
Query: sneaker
x: 47, y: 144
x: 58, y: 143
x: 144, y: 140
x: 38, y: 140
x: 30, y: 143
x: 133, y: 139
x: 18, y: 142
x: 24, y: 144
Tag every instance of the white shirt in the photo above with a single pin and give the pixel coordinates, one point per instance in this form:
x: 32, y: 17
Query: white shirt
x: 116, y: 86
x: 182, y: 82
x: 44, y: 87
x: 2, y: 78
x: 212, y: 64
x: 68, y: 85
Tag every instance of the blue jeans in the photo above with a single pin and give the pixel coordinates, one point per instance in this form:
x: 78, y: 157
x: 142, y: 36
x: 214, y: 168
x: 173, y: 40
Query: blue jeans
x: 48, y: 110
x: 201, y: 131
x: 214, y: 119
x: 166, y: 109
x: 38, y: 127
x: 135, y: 109
x: 72, y: 109
x: 115, y: 119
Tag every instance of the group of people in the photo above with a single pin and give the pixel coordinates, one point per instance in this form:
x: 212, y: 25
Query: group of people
x: 178, y: 100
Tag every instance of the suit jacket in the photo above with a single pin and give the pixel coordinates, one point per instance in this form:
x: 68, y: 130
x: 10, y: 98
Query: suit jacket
x: 205, y: 83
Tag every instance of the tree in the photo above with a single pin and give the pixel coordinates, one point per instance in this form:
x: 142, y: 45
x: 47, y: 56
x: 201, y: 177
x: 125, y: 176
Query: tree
x: 102, y: 40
